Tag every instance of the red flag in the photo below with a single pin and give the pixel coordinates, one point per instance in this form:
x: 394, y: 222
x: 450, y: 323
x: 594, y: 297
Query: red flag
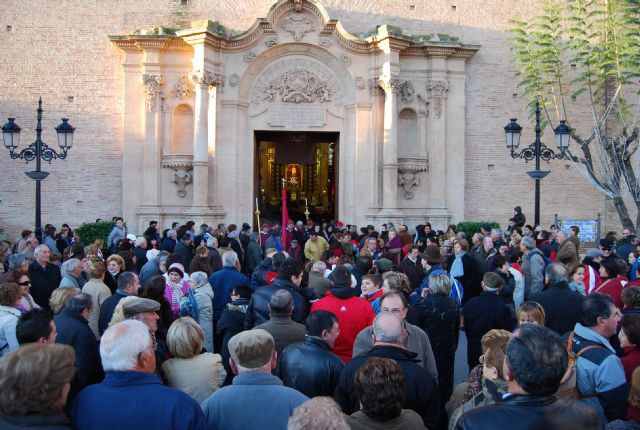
x: 285, y: 217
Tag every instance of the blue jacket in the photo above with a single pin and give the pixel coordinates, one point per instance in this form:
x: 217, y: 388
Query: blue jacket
x: 254, y: 400
x: 135, y: 400
x: 599, y: 372
x: 223, y: 282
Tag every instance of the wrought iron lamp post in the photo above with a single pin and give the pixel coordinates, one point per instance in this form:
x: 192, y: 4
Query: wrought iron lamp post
x: 38, y: 151
x: 538, y: 151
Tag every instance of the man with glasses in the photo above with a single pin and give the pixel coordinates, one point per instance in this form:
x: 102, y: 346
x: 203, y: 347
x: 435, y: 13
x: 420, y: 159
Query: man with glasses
x: 599, y: 373
x: 416, y: 339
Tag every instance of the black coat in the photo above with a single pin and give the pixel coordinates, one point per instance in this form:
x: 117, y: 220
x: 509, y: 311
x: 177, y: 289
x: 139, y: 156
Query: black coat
x: 141, y: 257
x: 231, y: 322
x: 258, y: 311
x: 106, y: 310
x: 414, y: 271
x: 518, y: 412
x: 73, y: 330
x: 421, y: 389
x: 481, y: 314
x: 184, y: 251
x: 471, y: 279
x: 43, y: 282
x: 439, y: 316
x: 310, y: 367
x: 561, y: 307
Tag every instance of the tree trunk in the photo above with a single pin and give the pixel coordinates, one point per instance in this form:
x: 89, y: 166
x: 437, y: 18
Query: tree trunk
x: 625, y: 218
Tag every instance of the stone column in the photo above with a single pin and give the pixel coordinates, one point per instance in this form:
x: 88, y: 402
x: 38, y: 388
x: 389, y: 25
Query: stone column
x: 151, y: 83
x: 437, y: 90
x: 390, y: 85
x: 203, y: 119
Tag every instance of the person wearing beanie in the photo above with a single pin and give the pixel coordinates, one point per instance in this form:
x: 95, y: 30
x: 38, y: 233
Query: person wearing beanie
x: 483, y: 313
x: 175, y: 287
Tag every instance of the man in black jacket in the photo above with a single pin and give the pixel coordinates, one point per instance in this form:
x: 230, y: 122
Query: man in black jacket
x: 561, y: 304
x: 289, y: 277
x: 309, y: 366
x: 535, y: 362
x: 483, y: 313
x: 72, y: 325
x: 421, y: 390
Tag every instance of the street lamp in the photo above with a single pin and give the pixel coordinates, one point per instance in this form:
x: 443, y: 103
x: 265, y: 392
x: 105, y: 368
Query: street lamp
x: 537, y: 150
x: 38, y: 151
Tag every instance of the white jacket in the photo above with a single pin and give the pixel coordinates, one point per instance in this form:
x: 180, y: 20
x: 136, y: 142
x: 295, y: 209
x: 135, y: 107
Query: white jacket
x: 198, y: 376
x: 8, y: 321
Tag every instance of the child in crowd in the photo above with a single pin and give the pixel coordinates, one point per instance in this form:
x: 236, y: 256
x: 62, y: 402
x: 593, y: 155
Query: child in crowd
x: 530, y: 313
x: 371, y: 291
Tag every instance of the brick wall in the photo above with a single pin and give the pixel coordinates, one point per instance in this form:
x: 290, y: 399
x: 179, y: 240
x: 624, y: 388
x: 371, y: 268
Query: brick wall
x: 62, y: 53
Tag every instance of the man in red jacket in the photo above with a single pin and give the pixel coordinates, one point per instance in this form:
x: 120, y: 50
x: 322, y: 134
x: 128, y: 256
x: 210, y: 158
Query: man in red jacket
x: 354, y: 313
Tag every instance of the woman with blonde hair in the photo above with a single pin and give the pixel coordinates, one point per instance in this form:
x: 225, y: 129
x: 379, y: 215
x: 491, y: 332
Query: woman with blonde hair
x: 60, y: 297
x: 35, y: 381
x: 197, y: 374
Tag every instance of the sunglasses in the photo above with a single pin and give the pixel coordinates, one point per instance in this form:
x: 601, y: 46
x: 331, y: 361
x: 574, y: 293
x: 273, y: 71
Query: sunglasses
x: 24, y: 284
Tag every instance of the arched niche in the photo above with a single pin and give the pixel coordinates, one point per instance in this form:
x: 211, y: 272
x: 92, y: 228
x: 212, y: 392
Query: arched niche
x: 408, y: 134
x: 182, y: 130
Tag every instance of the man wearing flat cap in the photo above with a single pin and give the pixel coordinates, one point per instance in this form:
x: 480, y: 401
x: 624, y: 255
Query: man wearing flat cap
x: 253, y: 357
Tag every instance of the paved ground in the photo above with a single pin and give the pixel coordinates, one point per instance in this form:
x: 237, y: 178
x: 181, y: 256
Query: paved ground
x: 461, y: 370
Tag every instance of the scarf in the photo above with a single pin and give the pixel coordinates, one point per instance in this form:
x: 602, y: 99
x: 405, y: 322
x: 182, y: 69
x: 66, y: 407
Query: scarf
x: 457, y: 269
x: 176, y: 293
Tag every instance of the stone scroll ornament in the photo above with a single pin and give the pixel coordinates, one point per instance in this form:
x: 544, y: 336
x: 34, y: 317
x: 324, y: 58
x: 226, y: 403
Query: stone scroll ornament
x: 408, y: 177
x: 151, y: 87
x: 182, y: 178
x: 181, y: 166
x: 298, y: 86
x: 298, y: 25
x: 437, y: 92
x: 200, y: 77
x: 407, y: 92
x: 184, y: 87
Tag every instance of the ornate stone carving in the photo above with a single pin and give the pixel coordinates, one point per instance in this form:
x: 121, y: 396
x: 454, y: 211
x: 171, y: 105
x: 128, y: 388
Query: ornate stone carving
x: 184, y: 87
x: 298, y: 86
x: 389, y: 84
x: 325, y: 44
x: 234, y: 80
x: 374, y: 87
x: 199, y: 77
x: 181, y: 165
x: 407, y: 92
x: 437, y: 92
x: 407, y: 114
x: 346, y: 60
x: 151, y: 87
x: 281, y: 80
x: 408, y: 170
x: 271, y: 42
x: 360, y: 84
x: 249, y: 56
x: 297, y: 5
x: 298, y: 25
x: 423, y: 107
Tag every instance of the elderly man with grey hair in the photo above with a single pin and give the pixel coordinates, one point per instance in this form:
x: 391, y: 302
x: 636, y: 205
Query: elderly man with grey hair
x: 317, y: 281
x: 560, y: 303
x: 421, y: 387
x: 140, y: 251
x: 45, y: 277
x: 532, y: 266
x: 223, y: 282
x: 72, y: 277
x: 214, y: 255
x: 152, y: 267
x: 284, y: 330
x: 129, y: 360
x: 72, y: 325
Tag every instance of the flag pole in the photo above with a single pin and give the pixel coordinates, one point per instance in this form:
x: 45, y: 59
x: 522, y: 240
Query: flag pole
x: 258, y: 219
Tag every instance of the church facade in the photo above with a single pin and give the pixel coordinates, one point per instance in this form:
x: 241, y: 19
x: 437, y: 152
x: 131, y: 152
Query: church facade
x: 367, y: 112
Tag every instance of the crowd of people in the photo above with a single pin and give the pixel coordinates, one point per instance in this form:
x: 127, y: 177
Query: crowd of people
x: 319, y: 326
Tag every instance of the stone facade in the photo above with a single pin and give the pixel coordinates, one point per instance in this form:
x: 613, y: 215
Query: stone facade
x: 144, y: 99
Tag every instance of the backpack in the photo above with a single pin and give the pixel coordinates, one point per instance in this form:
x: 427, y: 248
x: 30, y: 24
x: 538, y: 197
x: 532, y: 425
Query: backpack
x: 189, y: 306
x: 568, y: 386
